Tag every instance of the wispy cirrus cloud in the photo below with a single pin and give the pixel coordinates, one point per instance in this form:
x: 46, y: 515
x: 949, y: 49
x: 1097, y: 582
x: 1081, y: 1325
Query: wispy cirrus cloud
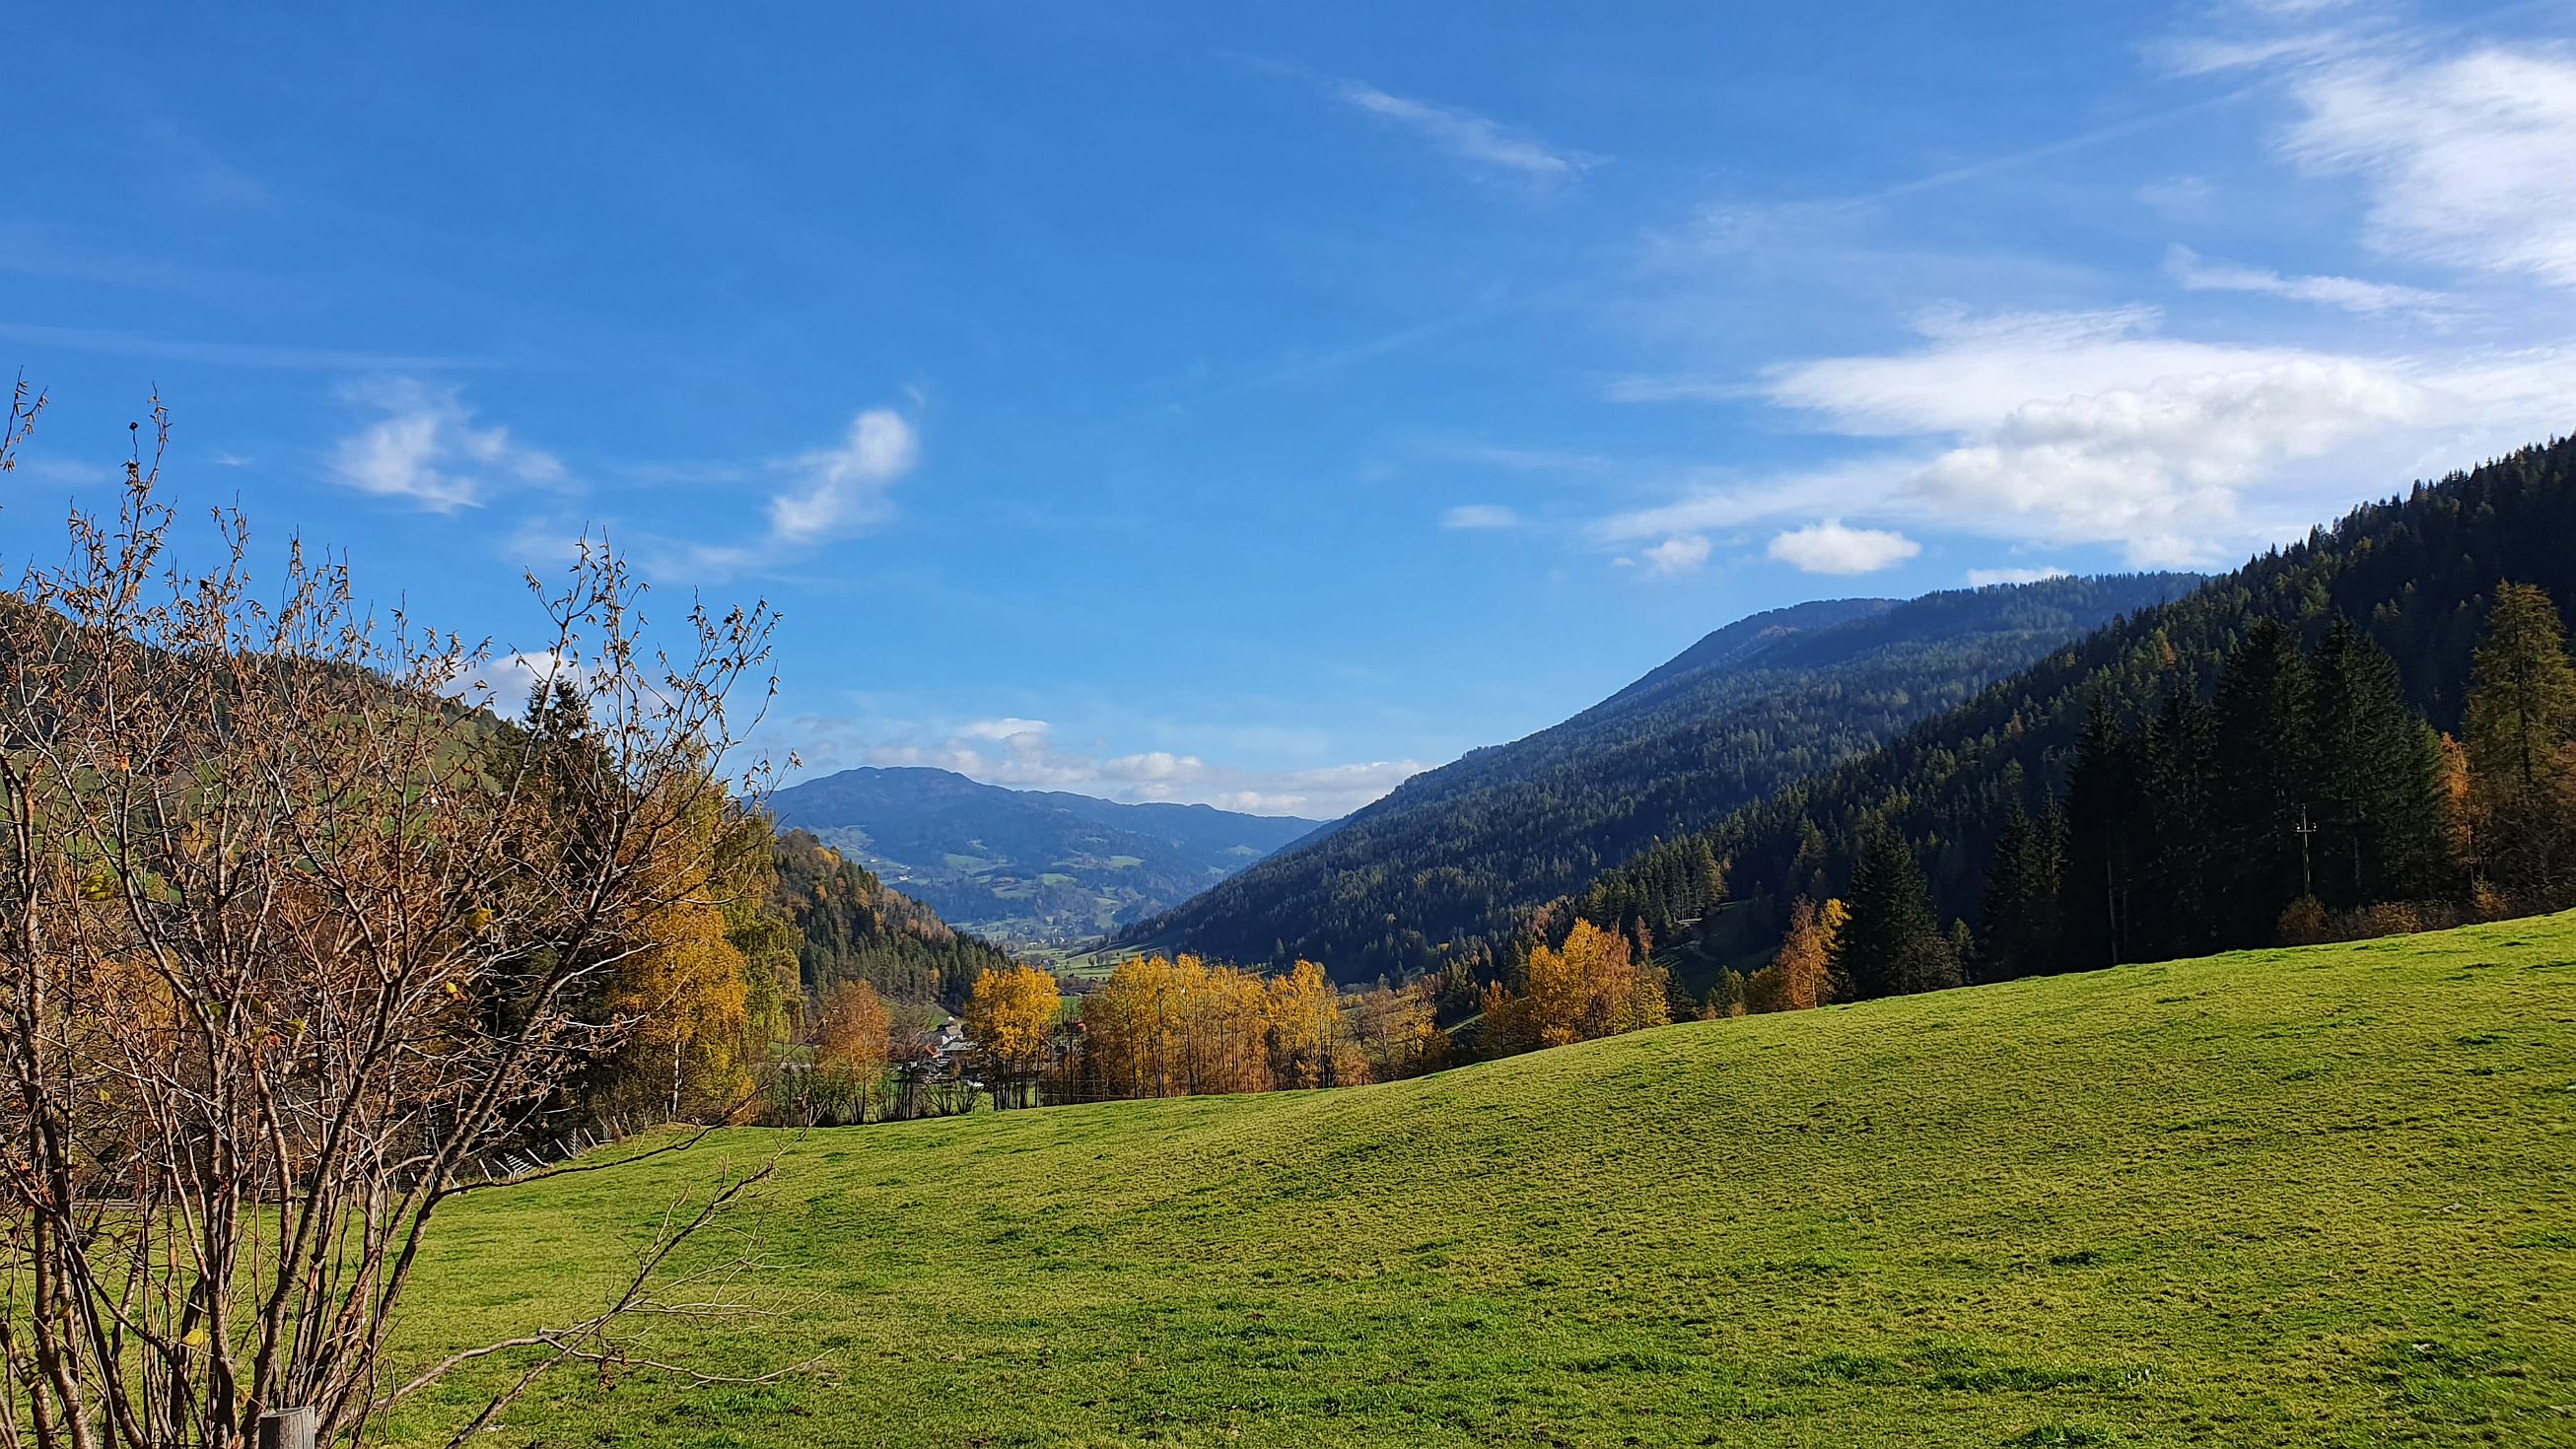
x: 2053, y: 429
x: 1483, y: 144
x: 426, y: 446
x: 1479, y: 516
x: 844, y: 489
x: 2349, y: 294
x: 2469, y: 159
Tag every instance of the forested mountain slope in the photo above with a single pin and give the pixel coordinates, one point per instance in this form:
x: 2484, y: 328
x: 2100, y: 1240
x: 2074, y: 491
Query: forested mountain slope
x: 1027, y: 866
x: 2414, y: 575
x: 1458, y: 853
x: 851, y: 927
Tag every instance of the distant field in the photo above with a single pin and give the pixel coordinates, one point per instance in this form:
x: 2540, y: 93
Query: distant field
x: 2314, y: 1197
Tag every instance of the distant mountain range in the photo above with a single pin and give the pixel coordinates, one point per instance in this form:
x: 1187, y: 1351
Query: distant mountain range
x: 1027, y: 867
x: 1456, y: 855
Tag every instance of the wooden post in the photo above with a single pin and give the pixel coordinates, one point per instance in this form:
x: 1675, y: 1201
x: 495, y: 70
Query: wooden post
x: 286, y: 1429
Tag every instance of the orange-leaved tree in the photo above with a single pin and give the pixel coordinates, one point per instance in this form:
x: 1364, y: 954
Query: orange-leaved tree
x: 853, y: 1045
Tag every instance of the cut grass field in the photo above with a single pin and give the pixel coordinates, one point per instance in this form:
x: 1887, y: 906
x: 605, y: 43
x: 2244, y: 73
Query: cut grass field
x: 2323, y: 1196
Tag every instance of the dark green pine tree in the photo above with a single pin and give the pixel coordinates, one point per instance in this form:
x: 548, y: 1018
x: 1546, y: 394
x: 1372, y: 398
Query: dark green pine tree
x: 2102, y: 796
x: 1892, y: 945
x: 2179, y: 873
x: 2267, y: 798
x: 2380, y: 833
x: 2019, y: 916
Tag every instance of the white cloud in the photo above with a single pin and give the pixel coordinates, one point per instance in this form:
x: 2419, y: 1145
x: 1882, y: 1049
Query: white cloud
x: 1679, y: 554
x: 505, y: 682
x: 2351, y: 294
x: 2160, y: 468
x: 1982, y: 578
x: 1020, y: 754
x: 1480, y: 516
x: 2469, y: 160
x: 2091, y: 428
x: 844, y: 488
x: 1007, y: 728
x: 427, y: 448
x: 1831, y: 548
x: 1977, y: 369
x: 1720, y: 499
x: 2179, y: 196
x: 1480, y: 141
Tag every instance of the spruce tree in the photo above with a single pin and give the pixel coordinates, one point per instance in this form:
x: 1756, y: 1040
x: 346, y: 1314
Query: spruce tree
x: 2521, y: 717
x: 2018, y: 918
x: 1892, y: 944
x: 2101, y: 803
x: 2379, y: 779
x: 2266, y: 777
x: 2179, y: 871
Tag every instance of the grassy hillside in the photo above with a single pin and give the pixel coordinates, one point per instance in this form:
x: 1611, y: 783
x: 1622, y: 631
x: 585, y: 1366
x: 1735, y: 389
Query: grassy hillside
x: 2322, y: 1196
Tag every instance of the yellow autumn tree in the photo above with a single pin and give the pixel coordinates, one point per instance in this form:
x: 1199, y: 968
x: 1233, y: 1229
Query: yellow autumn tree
x: 1171, y: 1027
x: 1303, y: 1020
x: 1589, y: 987
x: 1009, y: 1016
x: 705, y: 987
x: 1800, y: 977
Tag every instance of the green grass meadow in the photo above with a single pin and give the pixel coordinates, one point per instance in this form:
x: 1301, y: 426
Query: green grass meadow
x: 2304, y: 1197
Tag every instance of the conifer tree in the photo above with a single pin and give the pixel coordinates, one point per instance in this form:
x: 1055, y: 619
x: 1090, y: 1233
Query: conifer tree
x: 2266, y: 776
x: 2379, y: 777
x: 2101, y: 805
x: 2020, y: 911
x: 2521, y: 717
x: 2179, y: 870
x: 1892, y: 944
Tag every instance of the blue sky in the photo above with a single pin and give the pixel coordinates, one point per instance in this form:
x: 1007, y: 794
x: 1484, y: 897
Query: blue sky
x: 1256, y: 403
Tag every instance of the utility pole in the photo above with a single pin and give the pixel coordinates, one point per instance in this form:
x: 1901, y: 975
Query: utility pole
x: 2307, y: 878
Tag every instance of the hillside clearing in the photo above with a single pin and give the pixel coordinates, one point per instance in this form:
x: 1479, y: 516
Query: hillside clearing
x: 2320, y: 1196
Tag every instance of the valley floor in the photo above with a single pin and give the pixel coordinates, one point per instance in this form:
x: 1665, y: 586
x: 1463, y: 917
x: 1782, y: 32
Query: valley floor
x: 2316, y: 1197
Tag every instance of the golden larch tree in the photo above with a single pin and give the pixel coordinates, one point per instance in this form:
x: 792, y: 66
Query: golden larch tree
x: 1009, y: 1015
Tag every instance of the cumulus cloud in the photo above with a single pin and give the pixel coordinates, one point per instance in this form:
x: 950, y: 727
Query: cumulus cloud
x: 2350, y: 294
x: 1023, y: 754
x: 1483, y: 143
x: 427, y: 447
x: 505, y: 682
x: 843, y: 489
x: 1480, y: 516
x: 1680, y: 554
x: 1831, y: 548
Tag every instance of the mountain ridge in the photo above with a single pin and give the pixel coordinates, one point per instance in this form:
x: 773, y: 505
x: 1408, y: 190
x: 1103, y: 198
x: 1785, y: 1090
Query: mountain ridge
x: 2412, y: 572
x: 1026, y: 867
x: 1456, y: 854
